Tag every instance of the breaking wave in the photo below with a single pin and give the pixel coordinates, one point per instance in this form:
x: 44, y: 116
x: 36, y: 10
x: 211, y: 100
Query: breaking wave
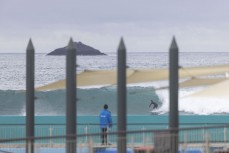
x: 90, y: 101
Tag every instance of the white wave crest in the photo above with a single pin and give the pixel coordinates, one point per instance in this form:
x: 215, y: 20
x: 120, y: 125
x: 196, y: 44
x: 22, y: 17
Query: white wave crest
x: 204, y: 105
x: 198, y: 106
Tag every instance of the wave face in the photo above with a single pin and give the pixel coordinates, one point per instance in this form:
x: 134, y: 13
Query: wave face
x: 90, y: 101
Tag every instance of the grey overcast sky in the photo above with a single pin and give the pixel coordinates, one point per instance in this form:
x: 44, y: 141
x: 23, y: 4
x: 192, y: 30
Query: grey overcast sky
x: 146, y: 25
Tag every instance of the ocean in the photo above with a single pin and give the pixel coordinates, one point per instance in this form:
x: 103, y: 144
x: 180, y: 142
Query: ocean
x: 91, y: 99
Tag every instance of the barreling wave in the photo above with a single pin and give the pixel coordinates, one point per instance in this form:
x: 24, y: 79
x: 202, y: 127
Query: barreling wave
x: 90, y: 101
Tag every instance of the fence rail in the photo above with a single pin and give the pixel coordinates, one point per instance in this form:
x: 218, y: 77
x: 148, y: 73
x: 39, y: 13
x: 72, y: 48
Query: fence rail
x: 201, y: 139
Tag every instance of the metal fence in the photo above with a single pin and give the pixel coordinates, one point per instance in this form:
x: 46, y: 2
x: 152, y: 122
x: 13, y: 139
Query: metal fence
x: 191, y: 140
x: 18, y: 131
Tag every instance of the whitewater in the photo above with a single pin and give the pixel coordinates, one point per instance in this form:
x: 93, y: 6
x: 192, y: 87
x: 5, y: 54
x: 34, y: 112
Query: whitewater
x: 91, y: 99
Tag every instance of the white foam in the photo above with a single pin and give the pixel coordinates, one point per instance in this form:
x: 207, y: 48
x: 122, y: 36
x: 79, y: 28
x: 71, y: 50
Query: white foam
x: 155, y: 84
x: 204, y: 105
x: 163, y: 96
x: 184, y: 104
x: 92, y: 87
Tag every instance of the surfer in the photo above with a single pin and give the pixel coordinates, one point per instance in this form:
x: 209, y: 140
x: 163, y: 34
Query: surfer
x: 155, y: 105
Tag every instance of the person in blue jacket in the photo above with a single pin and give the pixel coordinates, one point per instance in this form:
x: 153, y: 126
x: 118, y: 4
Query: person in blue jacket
x: 105, y: 123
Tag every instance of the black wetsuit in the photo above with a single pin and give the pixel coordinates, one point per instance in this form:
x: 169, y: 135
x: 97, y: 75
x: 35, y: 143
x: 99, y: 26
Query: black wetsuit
x: 155, y: 105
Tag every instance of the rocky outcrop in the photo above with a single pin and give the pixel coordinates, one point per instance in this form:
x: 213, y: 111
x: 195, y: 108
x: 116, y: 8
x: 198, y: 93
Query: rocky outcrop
x: 81, y: 48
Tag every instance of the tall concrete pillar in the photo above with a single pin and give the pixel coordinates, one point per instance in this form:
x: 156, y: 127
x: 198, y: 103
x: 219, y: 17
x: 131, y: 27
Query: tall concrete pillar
x: 121, y: 72
x: 30, y: 97
x: 173, y: 94
x: 71, y: 144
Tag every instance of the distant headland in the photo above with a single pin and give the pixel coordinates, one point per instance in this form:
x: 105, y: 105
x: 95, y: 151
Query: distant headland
x: 81, y: 48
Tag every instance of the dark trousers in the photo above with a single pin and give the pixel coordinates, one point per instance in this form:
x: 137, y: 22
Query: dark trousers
x: 104, y: 135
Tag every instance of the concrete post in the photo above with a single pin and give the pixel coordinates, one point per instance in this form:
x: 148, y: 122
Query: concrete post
x: 71, y: 143
x: 30, y: 97
x: 121, y: 97
x: 173, y: 93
